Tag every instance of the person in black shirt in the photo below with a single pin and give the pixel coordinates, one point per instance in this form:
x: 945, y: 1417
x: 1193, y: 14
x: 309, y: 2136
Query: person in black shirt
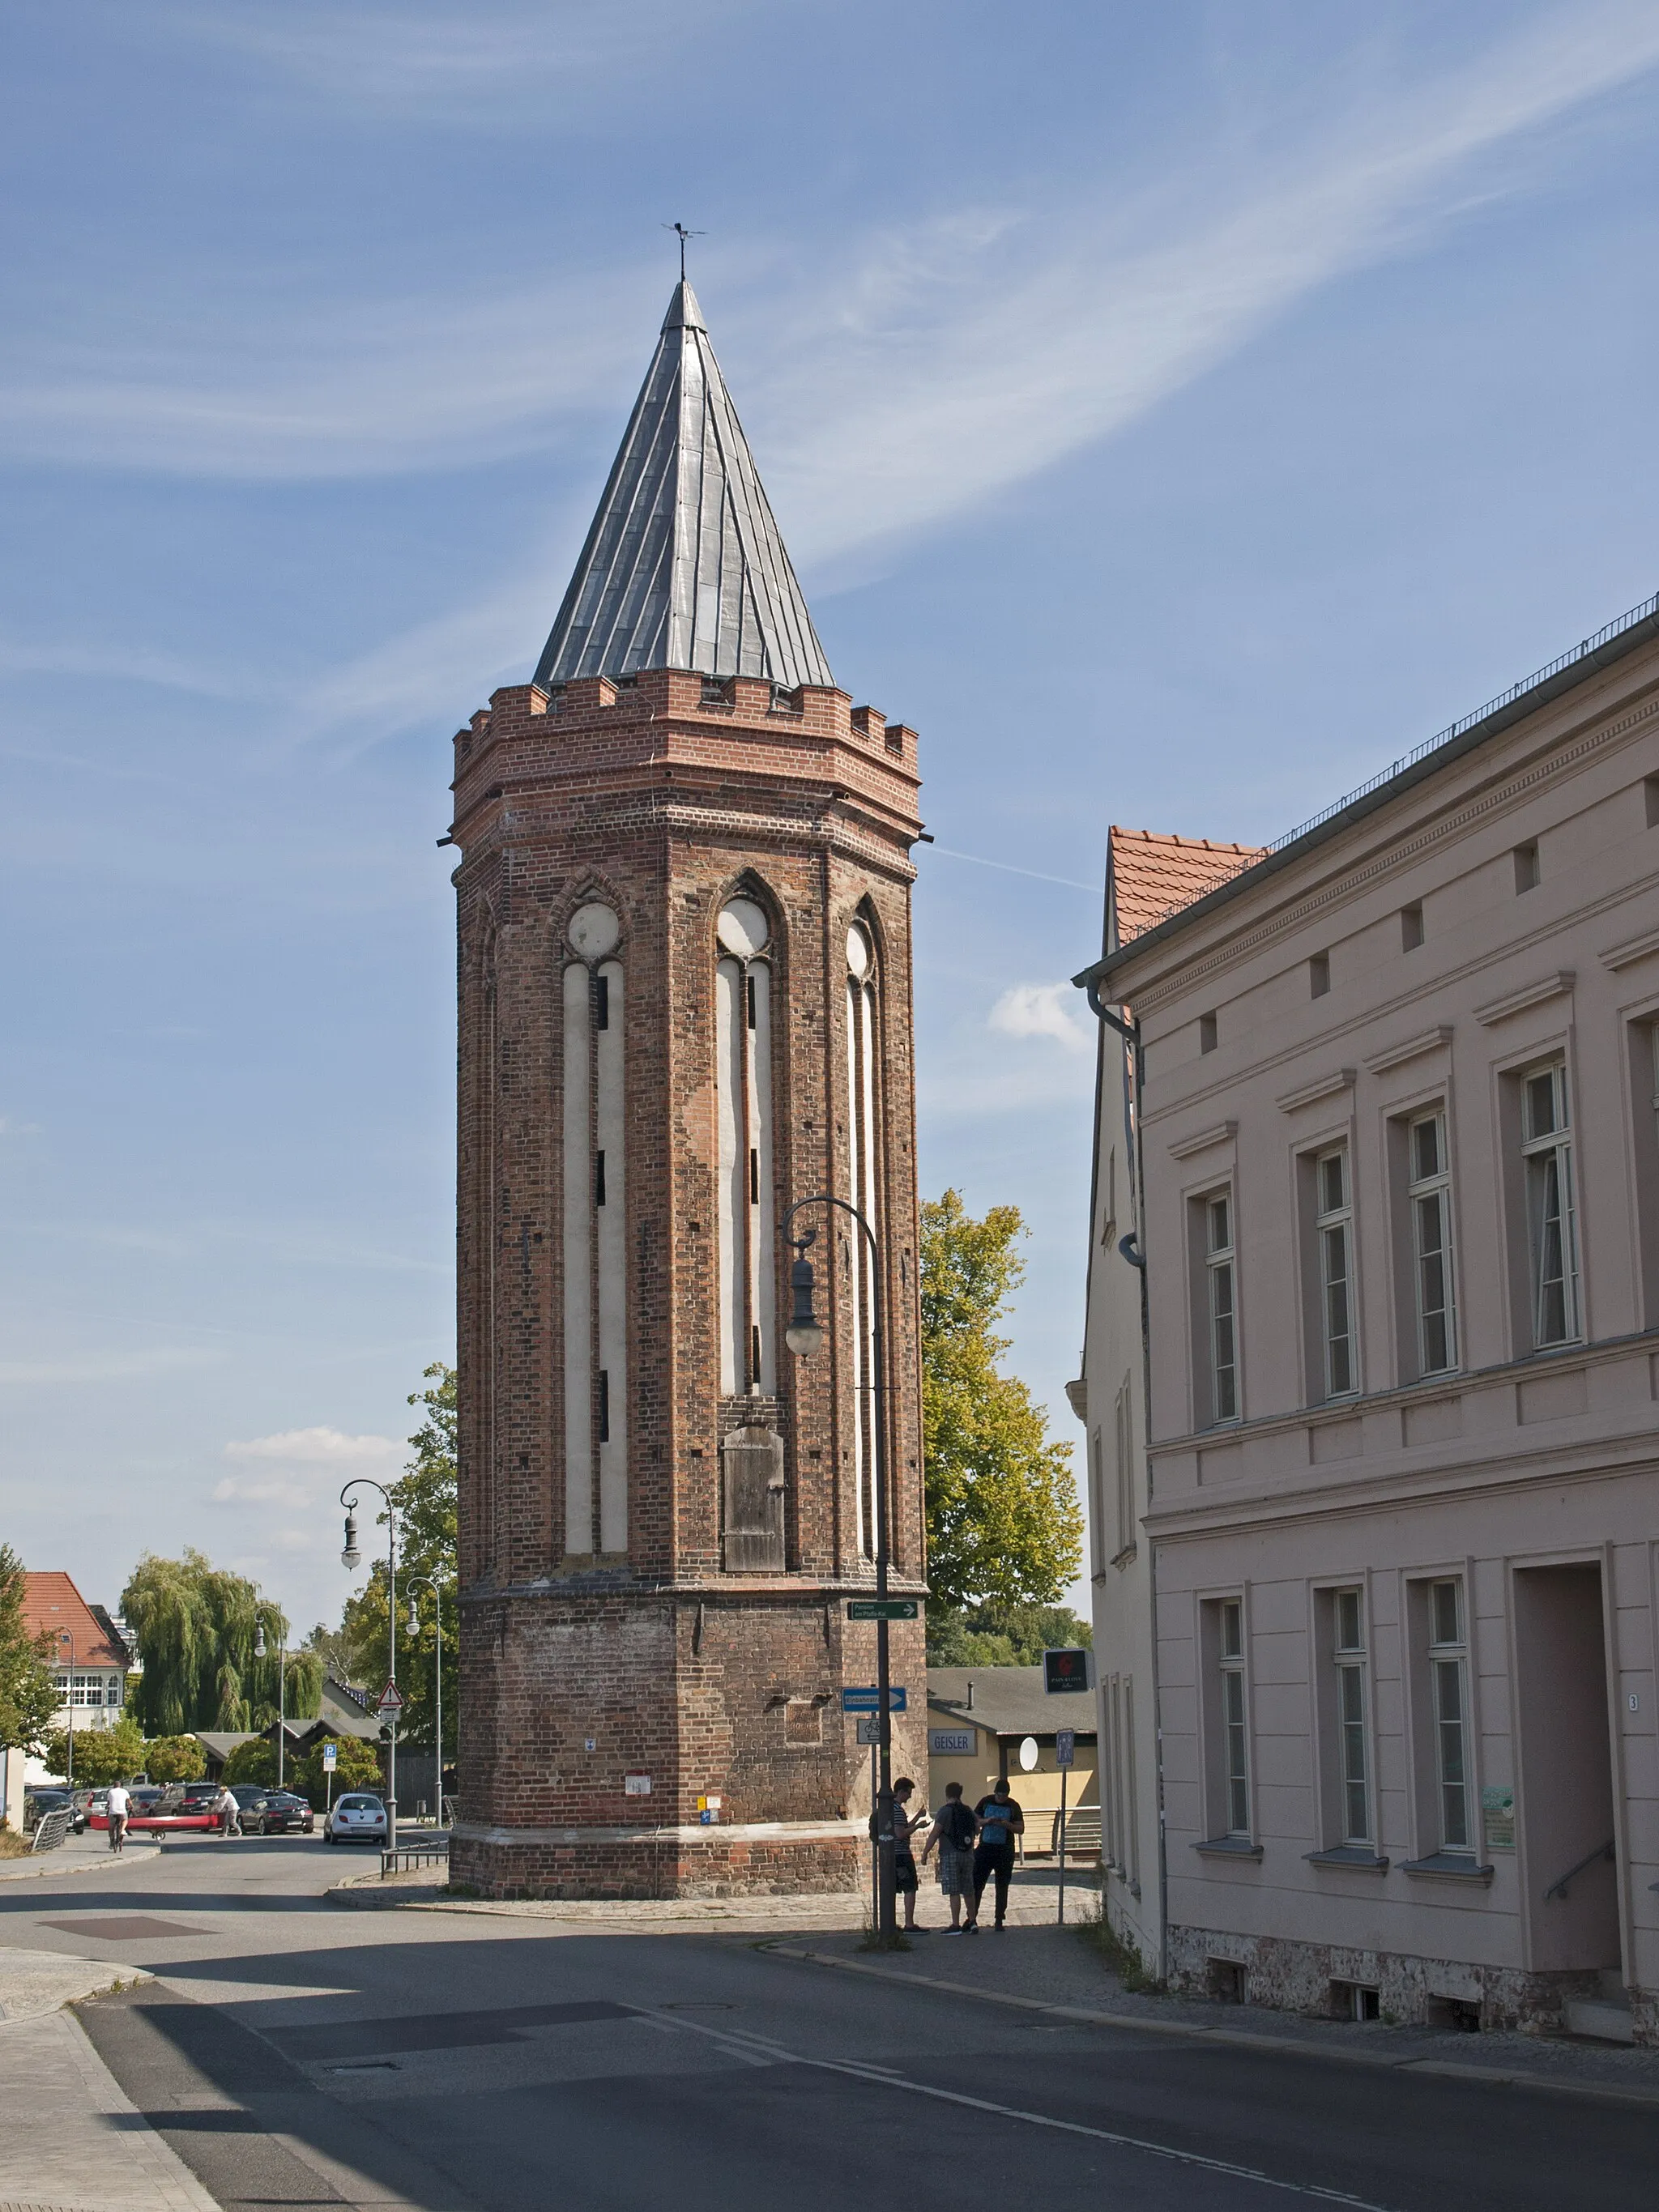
x: 1001, y: 1820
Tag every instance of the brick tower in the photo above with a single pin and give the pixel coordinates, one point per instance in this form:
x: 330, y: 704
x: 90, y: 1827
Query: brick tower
x: 685, y: 955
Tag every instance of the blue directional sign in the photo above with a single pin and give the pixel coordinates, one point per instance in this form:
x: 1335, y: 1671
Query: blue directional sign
x: 869, y: 1700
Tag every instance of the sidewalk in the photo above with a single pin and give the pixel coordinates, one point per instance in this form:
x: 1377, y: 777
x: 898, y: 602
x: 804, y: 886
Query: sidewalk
x: 1049, y: 1968
x: 78, y: 1854
x: 71, y: 2136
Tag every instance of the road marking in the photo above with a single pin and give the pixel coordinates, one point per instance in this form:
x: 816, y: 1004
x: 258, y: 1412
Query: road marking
x: 757, y: 2050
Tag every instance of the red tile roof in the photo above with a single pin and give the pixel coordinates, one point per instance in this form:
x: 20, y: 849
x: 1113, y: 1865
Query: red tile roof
x: 1155, y: 876
x: 51, y: 1601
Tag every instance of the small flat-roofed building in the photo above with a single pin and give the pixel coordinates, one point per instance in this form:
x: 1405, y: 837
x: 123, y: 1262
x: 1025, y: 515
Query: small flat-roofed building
x: 977, y: 1719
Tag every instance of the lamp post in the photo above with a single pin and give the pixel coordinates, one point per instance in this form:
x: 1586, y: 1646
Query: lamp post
x: 805, y: 1336
x: 349, y: 1557
x: 65, y: 1637
x: 431, y: 1583
x: 281, y: 1693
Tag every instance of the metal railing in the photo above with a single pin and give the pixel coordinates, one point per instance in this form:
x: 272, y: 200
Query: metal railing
x: 404, y: 1856
x: 1582, y: 651
x: 51, y: 1829
x: 1602, y: 1851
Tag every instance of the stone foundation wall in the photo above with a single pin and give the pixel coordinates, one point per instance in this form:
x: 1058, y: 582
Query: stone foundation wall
x: 660, y: 1866
x: 1297, y: 1977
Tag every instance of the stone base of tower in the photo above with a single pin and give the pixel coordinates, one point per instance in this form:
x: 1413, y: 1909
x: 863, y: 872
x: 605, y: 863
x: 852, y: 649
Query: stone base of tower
x: 782, y: 1858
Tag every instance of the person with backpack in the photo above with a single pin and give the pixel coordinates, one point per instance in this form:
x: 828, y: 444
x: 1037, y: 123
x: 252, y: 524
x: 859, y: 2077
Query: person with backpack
x: 1000, y: 1820
x: 953, y: 1830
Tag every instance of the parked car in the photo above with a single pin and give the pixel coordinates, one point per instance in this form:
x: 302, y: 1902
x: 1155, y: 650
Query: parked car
x: 273, y: 1812
x: 146, y: 1795
x: 46, y: 1799
x: 356, y: 1818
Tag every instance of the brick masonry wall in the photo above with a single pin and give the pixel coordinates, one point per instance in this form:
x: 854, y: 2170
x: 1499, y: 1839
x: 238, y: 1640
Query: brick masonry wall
x: 665, y: 805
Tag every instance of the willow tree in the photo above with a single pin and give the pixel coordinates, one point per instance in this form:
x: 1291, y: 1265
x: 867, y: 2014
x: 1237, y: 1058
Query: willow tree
x: 1004, y: 1528
x: 197, y: 1628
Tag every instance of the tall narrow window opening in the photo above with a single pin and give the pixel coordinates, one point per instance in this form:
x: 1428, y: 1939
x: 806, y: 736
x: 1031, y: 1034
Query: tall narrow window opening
x: 1333, y: 1224
x: 594, y: 1305
x: 863, y: 1190
x: 1348, y: 1619
x: 1222, y: 1308
x: 1429, y: 1194
x: 748, y: 1260
x: 1123, y: 1439
x: 1234, y: 1733
x: 1551, y: 1234
x: 1449, y: 1691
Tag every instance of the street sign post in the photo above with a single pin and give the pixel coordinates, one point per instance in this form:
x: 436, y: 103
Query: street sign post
x: 390, y: 1703
x: 1065, y: 1753
x: 331, y: 1760
x: 883, y: 1609
x: 869, y: 1728
x: 866, y: 1699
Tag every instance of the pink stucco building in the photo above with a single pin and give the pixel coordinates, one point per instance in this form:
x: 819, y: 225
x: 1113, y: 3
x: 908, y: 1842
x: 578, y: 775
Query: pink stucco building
x: 1390, y: 1547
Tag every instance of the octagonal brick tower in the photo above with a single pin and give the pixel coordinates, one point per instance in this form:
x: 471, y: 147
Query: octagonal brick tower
x: 686, y: 991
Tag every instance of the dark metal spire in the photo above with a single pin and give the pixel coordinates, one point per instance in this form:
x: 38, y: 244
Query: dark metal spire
x: 684, y: 567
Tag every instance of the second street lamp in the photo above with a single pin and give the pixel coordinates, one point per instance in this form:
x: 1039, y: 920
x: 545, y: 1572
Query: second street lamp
x: 350, y: 1557
x: 805, y: 1336
x: 281, y: 1691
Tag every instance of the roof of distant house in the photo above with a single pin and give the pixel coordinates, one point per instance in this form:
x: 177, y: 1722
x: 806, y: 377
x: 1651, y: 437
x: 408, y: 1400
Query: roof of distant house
x: 1153, y: 876
x: 1007, y: 1700
x: 51, y: 1601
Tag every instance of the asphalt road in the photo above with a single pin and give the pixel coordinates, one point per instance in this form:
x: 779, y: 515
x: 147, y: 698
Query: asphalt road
x: 297, y: 2055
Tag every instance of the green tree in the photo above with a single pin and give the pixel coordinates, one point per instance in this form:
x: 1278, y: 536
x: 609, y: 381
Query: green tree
x: 28, y: 1687
x: 101, y: 1755
x: 173, y: 1759
x: 253, y: 1761
x: 1004, y: 1524
x: 424, y: 1495
x: 197, y: 1627
x: 1002, y: 1635
x: 359, y: 1768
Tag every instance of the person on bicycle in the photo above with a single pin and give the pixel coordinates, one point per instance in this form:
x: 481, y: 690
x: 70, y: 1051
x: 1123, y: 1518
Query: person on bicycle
x: 116, y: 1807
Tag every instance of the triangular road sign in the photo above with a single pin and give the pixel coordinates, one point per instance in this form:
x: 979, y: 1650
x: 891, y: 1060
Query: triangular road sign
x: 391, y: 1700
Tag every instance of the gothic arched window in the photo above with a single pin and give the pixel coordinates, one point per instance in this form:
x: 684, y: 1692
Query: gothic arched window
x: 748, y: 1231
x: 595, y: 1239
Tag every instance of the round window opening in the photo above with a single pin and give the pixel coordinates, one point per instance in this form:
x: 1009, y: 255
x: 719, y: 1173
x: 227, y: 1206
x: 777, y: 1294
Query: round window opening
x: 860, y: 955
x: 743, y: 929
x: 594, y: 930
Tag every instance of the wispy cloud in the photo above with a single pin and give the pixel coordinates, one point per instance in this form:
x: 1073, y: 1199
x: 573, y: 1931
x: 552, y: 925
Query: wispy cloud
x: 229, y: 1490
x: 1041, y: 1010
x: 104, y: 1366
x: 322, y: 1447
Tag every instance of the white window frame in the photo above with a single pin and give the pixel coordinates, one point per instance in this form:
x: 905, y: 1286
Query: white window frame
x: 1333, y: 1234
x: 1350, y: 1658
x: 1428, y: 1197
x: 1232, y: 1715
x: 1448, y: 1713
x: 1552, y: 1225
x: 1221, y: 1305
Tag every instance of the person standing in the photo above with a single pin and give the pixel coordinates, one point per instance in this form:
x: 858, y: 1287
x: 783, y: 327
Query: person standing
x: 229, y: 1812
x: 1000, y: 1820
x: 904, y: 1857
x: 117, y: 1806
x: 953, y: 1830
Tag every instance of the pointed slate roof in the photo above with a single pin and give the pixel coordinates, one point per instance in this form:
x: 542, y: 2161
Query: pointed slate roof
x: 684, y: 567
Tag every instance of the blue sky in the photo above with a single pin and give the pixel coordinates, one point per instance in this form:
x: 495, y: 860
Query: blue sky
x: 1175, y: 413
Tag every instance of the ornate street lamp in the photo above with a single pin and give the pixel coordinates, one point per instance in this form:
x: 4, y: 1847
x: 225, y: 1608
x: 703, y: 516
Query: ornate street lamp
x: 805, y: 1336
x: 349, y: 1557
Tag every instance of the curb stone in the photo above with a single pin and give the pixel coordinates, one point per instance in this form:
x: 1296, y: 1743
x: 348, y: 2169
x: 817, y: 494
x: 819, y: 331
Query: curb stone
x: 1234, y: 2039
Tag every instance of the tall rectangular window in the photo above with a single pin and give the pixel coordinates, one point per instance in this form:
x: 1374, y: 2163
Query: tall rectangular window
x: 1333, y: 1226
x: 1235, y: 1734
x: 1348, y: 1639
x: 1124, y: 1442
x: 1220, y: 1287
x: 1429, y: 1194
x: 1552, y: 1240
x: 1097, y: 1506
x: 1448, y: 1706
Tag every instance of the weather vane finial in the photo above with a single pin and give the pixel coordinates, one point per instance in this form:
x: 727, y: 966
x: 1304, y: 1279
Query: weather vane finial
x: 683, y: 233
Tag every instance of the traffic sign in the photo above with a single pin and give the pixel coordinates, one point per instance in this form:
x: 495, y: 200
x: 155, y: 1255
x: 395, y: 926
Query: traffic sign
x: 868, y: 1698
x: 391, y: 1702
x: 1065, y: 1747
x: 330, y: 1757
x: 883, y: 1609
x: 1068, y: 1670
x: 869, y: 1728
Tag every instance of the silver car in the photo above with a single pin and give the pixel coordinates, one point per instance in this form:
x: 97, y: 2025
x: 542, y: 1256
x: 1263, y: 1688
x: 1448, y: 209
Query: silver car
x: 355, y: 1818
